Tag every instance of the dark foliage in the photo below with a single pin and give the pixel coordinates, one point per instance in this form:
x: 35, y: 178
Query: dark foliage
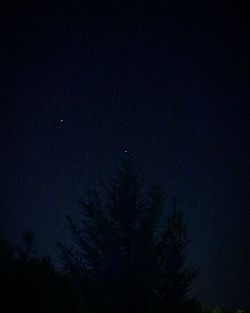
x: 29, y: 284
x: 129, y: 253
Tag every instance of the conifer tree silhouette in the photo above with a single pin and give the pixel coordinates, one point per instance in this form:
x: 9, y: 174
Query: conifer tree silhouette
x: 129, y: 248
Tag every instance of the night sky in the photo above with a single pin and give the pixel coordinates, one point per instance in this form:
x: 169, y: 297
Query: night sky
x: 82, y: 82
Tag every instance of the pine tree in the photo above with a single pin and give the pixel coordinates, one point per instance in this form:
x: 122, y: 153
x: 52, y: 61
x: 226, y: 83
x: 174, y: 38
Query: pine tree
x: 129, y: 253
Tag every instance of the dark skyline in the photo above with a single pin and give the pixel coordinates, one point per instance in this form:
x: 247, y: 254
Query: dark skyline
x: 167, y: 82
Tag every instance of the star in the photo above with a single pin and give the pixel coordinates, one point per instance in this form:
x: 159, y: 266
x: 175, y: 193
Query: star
x: 61, y: 121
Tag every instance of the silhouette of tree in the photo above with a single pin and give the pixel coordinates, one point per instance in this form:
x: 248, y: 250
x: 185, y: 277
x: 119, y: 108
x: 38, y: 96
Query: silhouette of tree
x: 27, y: 250
x: 6, y: 274
x: 129, y: 249
x: 29, y: 284
x: 6, y: 255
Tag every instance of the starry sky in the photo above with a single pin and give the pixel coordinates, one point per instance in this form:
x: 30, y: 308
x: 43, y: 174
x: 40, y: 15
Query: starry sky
x: 81, y: 82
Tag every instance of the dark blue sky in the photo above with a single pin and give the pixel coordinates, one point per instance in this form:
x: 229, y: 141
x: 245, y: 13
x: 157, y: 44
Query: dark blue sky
x: 168, y: 82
